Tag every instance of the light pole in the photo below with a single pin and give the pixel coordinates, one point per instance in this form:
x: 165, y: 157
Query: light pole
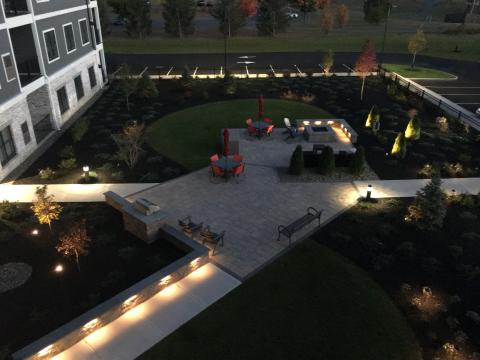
x: 225, y: 41
x: 389, y: 10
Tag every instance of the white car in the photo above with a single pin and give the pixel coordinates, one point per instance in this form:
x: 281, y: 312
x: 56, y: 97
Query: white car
x: 477, y: 112
x: 292, y: 13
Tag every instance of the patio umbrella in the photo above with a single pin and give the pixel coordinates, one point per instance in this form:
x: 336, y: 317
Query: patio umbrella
x: 261, y: 105
x: 226, y: 142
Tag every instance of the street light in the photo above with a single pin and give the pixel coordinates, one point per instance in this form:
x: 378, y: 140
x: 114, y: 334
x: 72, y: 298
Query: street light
x: 389, y: 9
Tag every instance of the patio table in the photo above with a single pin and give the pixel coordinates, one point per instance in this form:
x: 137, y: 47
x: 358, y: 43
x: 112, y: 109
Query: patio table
x: 260, y: 126
x: 226, y: 164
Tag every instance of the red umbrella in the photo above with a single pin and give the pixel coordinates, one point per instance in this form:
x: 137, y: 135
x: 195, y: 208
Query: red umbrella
x: 261, y: 104
x: 226, y: 142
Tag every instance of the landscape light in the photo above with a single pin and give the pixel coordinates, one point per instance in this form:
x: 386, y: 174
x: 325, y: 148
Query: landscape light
x: 369, y: 192
x: 86, y: 172
x: 35, y: 232
x: 58, y: 268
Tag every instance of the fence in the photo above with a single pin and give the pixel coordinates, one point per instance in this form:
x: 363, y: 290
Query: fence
x: 442, y: 103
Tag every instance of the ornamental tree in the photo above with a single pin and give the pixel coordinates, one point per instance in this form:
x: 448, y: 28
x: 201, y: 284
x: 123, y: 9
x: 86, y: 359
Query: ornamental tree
x: 429, y: 208
x: 296, y: 162
x: 249, y: 7
x: 130, y: 142
x: 323, y: 4
x: 417, y: 43
x: 75, y: 242
x: 366, y: 63
x: 328, y: 61
x: 357, y: 166
x: 272, y: 17
x: 343, y: 15
x: 413, y: 130
x: 326, y: 161
x: 327, y: 20
x: 139, y: 20
x: 45, y: 208
x: 146, y: 88
x: 399, y: 148
x: 128, y: 84
x: 230, y: 15
x: 178, y: 16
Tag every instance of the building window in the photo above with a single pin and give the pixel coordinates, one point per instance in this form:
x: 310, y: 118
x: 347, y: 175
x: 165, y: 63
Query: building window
x: 84, y: 31
x: 9, y: 68
x: 69, y: 38
x: 51, y: 45
x: 7, y: 146
x: 63, y: 100
x: 26, y: 133
x: 79, y: 87
x: 93, y: 78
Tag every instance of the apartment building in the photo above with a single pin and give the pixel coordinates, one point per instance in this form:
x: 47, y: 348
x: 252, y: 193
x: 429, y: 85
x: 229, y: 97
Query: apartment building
x: 51, y: 64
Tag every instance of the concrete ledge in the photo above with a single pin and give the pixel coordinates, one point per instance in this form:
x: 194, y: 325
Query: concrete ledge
x: 71, y: 333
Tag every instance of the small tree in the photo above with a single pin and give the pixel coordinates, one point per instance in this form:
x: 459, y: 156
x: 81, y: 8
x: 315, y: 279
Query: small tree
x: 375, y: 11
x: 366, y: 63
x: 357, y: 165
x: 139, y: 21
x: 399, y: 148
x: 328, y: 61
x: 373, y: 119
x: 45, y: 208
x: 249, y: 7
x: 413, y: 129
x: 229, y: 84
x: 417, y: 43
x: 130, y: 142
x: 272, y: 17
x: 128, y: 84
x: 179, y: 16
x: 187, y: 80
x: 429, y: 209
x: 323, y: 4
x: 296, y: 162
x: 327, y: 20
x: 146, y: 88
x: 343, y: 15
x: 306, y: 6
x: 326, y: 161
x: 230, y: 16
x: 75, y: 242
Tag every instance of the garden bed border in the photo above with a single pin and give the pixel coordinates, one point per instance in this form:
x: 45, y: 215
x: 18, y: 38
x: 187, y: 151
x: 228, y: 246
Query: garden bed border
x: 74, y: 331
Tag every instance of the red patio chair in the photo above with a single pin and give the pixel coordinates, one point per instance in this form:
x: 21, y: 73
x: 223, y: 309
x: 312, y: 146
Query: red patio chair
x: 269, y: 130
x: 237, y: 171
x: 267, y: 120
x: 238, y: 157
x: 249, y: 122
x: 217, y: 171
x: 214, y: 158
x: 252, y: 131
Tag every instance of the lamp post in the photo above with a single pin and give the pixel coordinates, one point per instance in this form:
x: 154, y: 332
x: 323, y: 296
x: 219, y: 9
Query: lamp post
x: 225, y: 41
x: 389, y: 10
x: 86, y: 173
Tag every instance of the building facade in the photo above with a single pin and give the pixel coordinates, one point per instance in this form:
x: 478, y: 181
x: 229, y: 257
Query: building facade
x: 51, y: 64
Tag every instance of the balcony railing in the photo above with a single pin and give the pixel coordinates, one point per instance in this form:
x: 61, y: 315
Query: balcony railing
x: 29, y: 71
x: 15, y: 7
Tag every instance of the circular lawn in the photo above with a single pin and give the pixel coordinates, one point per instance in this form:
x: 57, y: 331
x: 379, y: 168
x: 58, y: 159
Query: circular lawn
x: 191, y: 136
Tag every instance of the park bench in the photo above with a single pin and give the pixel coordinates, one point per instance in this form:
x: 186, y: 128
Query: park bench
x: 288, y: 231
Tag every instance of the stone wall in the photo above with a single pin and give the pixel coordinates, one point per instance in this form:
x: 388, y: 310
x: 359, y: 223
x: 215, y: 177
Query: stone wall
x: 74, y: 331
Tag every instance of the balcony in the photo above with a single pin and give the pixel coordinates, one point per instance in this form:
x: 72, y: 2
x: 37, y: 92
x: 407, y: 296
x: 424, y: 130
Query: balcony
x: 15, y: 8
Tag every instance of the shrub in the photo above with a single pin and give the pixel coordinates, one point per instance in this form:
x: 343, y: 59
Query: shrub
x: 296, y: 162
x: 428, y: 171
x: 429, y: 208
x: 47, y: 174
x: 326, y: 161
x: 79, y: 130
x: 357, y: 166
x: 68, y: 164
x: 146, y: 88
x: 442, y: 123
x: 453, y: 170
x: 11, y: 210
x: 118, y: 175
x: 229, y: 84
x: 67, y: 152
x: 150, y: 177
x: 154, y: 161
x: 406, y: 250
x: 399, y: 148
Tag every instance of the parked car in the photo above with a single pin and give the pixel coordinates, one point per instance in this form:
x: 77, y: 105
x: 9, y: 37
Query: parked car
x: 477, y: 112
x: 292, y: 13
x: 119, y: 21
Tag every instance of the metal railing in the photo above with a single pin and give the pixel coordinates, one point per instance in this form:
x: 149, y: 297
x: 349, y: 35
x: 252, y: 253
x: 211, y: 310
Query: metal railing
x: 15, y: 7
x: 442, y: 103
x: 29, y: 71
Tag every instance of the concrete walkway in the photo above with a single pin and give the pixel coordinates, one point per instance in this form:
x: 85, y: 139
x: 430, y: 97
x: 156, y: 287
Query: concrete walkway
x: 70, y: 192
x: 145, y: 325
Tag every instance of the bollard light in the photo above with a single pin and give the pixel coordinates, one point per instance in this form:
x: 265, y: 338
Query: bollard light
x: 369, y: 192
x: 35, y: 232
x: 86, y: 173
x: 58, y: 268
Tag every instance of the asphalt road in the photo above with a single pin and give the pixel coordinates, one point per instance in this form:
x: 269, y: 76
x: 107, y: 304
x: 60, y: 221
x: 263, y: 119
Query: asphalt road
x: 465, y: 91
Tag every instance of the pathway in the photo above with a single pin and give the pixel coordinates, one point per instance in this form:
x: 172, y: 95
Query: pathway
x: 145, y: 325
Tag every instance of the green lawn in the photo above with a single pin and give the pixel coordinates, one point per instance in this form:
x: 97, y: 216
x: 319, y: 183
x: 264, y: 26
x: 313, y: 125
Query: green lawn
x: 190, y: 136
x: 310, y: 304
x: 418, y: 72
x: 438, y: 44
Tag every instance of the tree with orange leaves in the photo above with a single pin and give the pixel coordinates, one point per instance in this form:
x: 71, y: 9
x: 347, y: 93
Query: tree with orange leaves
x: 343, y: 15
x: 323, y: 4
x: 366, y: 63
x: 249, y: 7
x: 327, y: 21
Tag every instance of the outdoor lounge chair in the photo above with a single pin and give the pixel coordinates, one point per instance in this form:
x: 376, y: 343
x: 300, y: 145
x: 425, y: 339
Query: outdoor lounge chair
x: 252, y: 131
x: 212, y: 238
x: 291, y: 130
x: 188, y: 226
x: 269, y: 130
x: 214, y: 157
x: 217, y: 171
x: 238, y: 157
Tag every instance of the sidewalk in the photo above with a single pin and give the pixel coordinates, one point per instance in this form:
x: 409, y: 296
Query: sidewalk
x: 70, y: 192
x: 145, y: 325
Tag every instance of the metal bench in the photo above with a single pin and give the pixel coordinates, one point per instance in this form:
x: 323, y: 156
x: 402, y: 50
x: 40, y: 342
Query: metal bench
x: 299, y: 224
x: 189, y: 227
x: 212, y: 238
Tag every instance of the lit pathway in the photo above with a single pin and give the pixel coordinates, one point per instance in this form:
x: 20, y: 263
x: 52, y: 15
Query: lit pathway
x: 408, y: 188
x: 145, y: 325
x: 70, y: 192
